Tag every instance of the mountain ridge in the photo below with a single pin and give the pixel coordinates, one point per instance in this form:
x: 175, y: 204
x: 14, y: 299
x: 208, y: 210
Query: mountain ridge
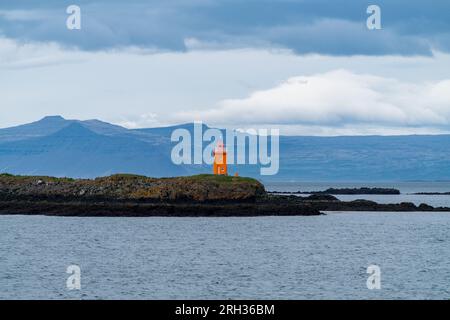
x: 85, y: 149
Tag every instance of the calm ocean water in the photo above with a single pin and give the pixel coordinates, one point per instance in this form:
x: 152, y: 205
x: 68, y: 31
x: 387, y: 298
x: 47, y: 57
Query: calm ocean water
x: 223, y: 258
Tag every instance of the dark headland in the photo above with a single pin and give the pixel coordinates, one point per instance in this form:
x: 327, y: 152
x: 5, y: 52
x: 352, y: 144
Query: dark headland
x: 194, y: 196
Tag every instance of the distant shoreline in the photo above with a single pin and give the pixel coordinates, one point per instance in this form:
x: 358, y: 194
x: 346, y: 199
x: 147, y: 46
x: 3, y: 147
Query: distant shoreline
x: 432, y: 193
x: 347, y: 191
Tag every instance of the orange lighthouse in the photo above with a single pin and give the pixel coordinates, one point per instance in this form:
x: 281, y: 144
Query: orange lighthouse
x: 220, y: 159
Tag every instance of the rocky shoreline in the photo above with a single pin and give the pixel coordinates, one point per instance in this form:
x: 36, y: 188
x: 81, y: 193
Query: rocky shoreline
x: 142, y: 209
x: 327, y: 203
x: 196, y: 196
x: 432, y: 193
x: 137, y: 196
x: 347, y: 191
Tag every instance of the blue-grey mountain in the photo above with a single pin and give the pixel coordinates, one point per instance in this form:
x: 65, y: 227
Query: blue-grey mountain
x: 71, y: 148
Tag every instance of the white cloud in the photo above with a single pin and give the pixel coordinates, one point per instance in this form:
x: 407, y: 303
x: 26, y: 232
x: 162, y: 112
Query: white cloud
x: 15, y: 55
x: 142, y: 121
x: 140, y: 88
x: 338, y: 98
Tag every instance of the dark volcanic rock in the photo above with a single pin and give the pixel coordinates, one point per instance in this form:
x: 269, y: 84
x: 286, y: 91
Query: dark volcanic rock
x: 433, y: 193
x: 321, y: 197
x: 132, y: 209
x: 353, y: 191
x: 366, y: 205
x: 348, y: 191
x: 129, y: 195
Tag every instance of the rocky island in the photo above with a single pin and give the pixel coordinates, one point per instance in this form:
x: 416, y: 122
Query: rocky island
x: 195, y: 196
x: 136, y: 196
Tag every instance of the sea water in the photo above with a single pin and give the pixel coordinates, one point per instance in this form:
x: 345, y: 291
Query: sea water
x: 227, y: 258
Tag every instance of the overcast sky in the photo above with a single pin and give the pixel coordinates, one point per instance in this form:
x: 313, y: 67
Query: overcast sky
x: 308, y: 67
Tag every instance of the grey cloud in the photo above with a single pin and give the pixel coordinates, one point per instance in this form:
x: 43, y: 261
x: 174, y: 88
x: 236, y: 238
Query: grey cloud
x: 307, y: 26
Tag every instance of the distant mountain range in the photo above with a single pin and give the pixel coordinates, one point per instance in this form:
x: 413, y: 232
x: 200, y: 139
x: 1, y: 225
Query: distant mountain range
x: 59, y: 147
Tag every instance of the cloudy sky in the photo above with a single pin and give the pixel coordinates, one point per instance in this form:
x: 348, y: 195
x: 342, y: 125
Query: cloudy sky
x: 308, y: 66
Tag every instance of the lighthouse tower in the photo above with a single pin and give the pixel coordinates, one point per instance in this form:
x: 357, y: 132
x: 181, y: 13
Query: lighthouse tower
x: 220, y: 159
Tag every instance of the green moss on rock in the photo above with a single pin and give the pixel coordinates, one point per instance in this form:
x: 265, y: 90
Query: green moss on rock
x: 133, y: 187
